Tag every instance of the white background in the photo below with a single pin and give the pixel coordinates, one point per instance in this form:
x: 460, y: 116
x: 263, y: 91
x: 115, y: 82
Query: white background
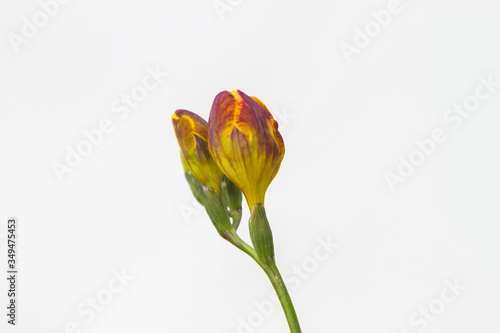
x: 126, y: 206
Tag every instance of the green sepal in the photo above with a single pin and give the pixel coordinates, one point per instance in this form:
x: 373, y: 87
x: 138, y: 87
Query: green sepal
x: 194, y: 184
x: 231, y: 196
x: 217, y: 212
x: 261, y: 235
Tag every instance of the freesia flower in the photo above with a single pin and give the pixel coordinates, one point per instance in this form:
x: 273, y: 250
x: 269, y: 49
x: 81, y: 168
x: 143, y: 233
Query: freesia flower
x: 244, y: 141
x: 191, y: 131
x: 239, y: 151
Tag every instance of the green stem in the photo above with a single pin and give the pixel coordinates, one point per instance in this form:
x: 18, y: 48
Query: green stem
x: 274, y: 276
x: 286, y: 302
x: 240, y: 244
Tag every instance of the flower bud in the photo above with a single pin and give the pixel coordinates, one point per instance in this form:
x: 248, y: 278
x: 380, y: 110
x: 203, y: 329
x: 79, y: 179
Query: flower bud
x: 191, y: 132
x: 245, y: 143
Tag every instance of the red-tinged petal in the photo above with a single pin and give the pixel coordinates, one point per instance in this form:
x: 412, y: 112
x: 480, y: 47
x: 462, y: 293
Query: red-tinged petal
x: 191, y: 132
x: 244, y: 141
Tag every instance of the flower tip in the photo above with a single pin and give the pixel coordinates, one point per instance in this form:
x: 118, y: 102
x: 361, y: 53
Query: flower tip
x: 178, y: 115
x: 237, y: 93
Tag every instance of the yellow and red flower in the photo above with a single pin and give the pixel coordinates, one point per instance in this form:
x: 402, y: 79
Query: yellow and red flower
x: 244, y: 141
x: 191, y: 131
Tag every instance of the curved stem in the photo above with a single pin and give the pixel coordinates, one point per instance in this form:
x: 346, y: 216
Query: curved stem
x: 240, y: 244
x: 274, y: 276
x: 286, y: 302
